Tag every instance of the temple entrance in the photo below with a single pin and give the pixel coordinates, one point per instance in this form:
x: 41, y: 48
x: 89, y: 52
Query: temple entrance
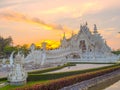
x: 76, y: 56
x: 73, y: 56
x: 82, y: 45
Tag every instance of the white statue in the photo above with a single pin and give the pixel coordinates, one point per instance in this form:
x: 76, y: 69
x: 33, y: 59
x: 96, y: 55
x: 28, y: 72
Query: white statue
x: 43, y: 58
x: 17, y: 75
x: 32, y: 47
x: 11, y: 58
x: 18, y: 57
x: 23, y: 59
x: 4, y: 61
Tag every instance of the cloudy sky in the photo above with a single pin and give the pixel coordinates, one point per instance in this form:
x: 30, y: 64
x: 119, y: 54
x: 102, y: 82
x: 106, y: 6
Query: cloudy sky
x: 31, y: 21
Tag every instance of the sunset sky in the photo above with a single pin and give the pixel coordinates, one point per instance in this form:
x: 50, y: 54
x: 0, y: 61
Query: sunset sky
x: 32, y: 21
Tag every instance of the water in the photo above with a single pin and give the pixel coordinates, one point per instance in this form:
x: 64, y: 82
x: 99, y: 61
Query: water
x: 113, y: 84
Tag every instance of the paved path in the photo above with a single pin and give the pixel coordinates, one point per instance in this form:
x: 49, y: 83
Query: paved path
x: 79, y: 67
x: 115, y: 86
x: 90, y: 83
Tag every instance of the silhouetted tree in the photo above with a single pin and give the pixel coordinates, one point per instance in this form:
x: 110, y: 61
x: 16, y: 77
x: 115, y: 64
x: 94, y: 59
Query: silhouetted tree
x: 4, y: 42
x: 24, y: 49
x: 116, y: 51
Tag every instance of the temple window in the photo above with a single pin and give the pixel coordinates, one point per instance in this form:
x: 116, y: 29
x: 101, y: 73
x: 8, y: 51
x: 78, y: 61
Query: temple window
x: 90, y: 50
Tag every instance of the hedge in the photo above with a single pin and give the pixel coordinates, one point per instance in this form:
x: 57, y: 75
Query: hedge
x: 3, y: 79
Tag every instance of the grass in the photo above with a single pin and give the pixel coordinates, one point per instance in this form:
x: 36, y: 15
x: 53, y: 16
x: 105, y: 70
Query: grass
x: 91, y: 63
x: 29, y: 84
x: 3, y: 81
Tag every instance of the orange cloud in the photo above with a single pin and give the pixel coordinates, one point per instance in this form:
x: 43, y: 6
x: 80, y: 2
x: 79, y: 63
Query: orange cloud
x: 18, y: 17
x: 61, y: 9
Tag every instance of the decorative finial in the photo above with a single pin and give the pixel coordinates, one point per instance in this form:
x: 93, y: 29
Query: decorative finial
x: 105, y: 42
x: 86, y: 23
x: 95, y: 29
x: 44, y: 46
x: 72, y: 33
x: 32, y: 47
x: 80, y: 26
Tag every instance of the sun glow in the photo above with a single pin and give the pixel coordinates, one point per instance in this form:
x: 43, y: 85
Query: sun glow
x: 50, y: 44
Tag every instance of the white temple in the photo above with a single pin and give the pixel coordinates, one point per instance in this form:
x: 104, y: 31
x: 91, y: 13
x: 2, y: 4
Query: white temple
x: 86, y: 46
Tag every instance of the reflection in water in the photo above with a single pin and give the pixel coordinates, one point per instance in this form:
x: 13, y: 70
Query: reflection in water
x: 107, y: 85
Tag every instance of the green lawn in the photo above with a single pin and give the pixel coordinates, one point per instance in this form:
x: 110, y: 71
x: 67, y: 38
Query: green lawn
x: 9, y: 87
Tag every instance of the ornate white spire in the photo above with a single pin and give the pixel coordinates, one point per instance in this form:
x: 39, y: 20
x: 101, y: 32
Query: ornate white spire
x: 80, y: 26
x: 32, y: 47
x: 44, y: 46
x: 11, y: 58
x: 95, y: 29
x: 86, y: 23
x: 72, y: 33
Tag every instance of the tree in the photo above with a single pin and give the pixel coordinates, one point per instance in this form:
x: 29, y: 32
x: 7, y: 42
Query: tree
x: 24, y: 49
x: 4, y: 42
x: 8, y: 50
x: 117, y: 52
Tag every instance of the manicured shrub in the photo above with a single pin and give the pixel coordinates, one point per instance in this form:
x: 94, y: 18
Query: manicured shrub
x: 3, y: 79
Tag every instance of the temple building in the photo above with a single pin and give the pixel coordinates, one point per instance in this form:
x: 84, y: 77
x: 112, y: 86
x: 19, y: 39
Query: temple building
x: 86, y: 42
x: 86, y: 46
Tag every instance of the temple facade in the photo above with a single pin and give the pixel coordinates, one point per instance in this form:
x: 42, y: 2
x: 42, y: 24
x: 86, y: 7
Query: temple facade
x: 85, y: 46
x: 86, y: 42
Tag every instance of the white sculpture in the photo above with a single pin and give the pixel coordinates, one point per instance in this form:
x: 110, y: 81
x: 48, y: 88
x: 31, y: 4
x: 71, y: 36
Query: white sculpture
x: 32, y: 47
x: 17, y: 74
x: 23, y: 59
x: 43, y: 58
x: 11, y: 58
x: 4, y: 61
